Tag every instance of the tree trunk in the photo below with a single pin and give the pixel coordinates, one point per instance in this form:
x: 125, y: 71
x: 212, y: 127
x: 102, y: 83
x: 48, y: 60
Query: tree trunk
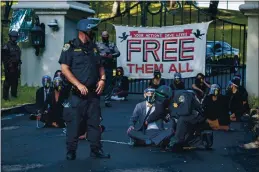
x: 8, y: 5
x: 116, y: 10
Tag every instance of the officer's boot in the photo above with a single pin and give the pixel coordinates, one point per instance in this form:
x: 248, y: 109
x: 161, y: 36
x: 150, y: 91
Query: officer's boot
x: 98, y: 153
x: 71, y: 155
x: 207, y: 139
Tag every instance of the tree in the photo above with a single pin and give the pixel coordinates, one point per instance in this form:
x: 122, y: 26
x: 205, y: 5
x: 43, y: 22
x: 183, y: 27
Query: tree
x: 7, y: 9
x: 116, y: 10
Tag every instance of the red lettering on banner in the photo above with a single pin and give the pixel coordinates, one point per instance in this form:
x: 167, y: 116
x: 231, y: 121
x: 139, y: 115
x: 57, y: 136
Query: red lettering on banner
x: 182, y: 68
x: 144, y: 68
x: 166, y: 50
x: 130, y: 67
x: 136, y: 34
x: 131, y: 49
x: 184, y: 49
x: 149, y: 68
x: 160, y: 68
x: 152, y: 50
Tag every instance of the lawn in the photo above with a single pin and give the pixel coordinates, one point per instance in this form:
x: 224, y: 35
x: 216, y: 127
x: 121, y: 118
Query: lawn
x: 25, y: 95
x: 189, y: 15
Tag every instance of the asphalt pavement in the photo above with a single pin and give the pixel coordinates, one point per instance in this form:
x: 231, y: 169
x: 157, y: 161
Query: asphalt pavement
x: 27, y: 148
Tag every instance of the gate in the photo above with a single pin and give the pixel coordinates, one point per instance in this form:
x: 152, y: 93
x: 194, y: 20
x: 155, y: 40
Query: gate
x: 226, y: 40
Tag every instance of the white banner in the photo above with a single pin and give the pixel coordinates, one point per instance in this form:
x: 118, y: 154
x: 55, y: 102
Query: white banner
x: 179, y: 48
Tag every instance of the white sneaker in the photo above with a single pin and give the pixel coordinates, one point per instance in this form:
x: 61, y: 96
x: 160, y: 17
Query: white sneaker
x: 114, y: 97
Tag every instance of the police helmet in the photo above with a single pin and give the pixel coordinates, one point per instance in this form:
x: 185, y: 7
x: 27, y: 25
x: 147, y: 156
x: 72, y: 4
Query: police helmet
x: 149, y: 94
x: 57, y: 83
x: 157, y: 74
x: 214, y: 90
x: 177, y: 75
x: 13, y: 34
x: 164, y: 92
x: 46, y: 81
x: 88, y: 24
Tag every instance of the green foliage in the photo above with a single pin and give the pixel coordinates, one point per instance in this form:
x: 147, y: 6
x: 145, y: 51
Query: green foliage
x: 254, y: 101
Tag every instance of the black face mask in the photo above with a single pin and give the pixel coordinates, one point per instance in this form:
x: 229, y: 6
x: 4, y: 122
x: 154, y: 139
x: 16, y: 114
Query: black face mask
x: 13, y: 39
x: 105, y: 39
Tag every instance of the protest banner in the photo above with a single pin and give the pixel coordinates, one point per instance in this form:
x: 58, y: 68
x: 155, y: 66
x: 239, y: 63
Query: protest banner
x: 179, y: 48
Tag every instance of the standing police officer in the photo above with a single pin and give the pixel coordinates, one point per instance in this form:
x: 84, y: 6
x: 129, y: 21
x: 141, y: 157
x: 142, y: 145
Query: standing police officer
x: 109, y: 52
x: 81, y: 65
x: 11, y: 58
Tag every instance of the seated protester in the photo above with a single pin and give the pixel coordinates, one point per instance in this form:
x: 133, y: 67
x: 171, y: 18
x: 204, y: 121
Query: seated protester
x: 243, y: 92
x: 216, y: 109
x: 235, y: 100
x: 53, y: 108
x: 200, y: 86
x: 177, y: 84
x: 120, y: 85
x: 157, y: 81
x: 41, y: 96
x: 142, y: 132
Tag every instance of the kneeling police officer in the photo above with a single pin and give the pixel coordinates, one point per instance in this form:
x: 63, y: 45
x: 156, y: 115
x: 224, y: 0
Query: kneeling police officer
x: 186, y: 115
x: 190, y: 122
x: 81, y: 65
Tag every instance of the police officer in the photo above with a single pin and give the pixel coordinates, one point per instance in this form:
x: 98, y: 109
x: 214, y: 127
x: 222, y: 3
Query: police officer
x: 189, y: 116
x: 81, y: 65
x: 11, y: 58
x: 109, y: 52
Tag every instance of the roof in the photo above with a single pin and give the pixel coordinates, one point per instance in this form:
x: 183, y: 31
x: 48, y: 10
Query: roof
x: 58, y: 5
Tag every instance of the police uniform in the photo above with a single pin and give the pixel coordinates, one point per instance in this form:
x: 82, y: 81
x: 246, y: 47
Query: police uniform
x: 188, y: 112
x: 84, y: 62
x: 11, y: 58
x: 106, y: 48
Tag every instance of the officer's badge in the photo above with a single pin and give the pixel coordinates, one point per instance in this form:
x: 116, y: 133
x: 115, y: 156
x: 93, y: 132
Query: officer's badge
x: 175, y: 105
x: 181, y: 99
x: 66, y: 47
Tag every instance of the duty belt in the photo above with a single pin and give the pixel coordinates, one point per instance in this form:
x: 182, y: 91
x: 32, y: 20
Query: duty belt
x: 77, y: 92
